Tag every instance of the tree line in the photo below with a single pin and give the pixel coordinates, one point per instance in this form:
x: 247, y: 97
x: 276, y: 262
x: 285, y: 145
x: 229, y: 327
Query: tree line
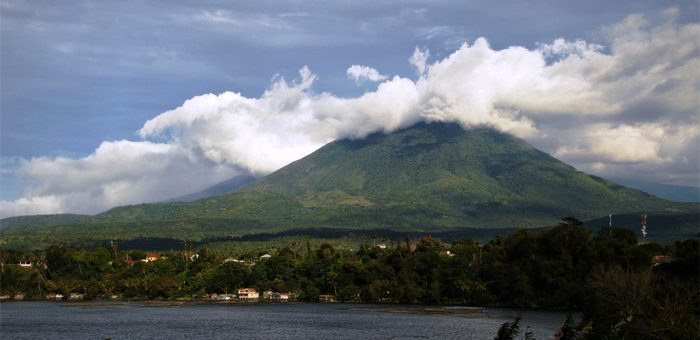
x: 609, y: 276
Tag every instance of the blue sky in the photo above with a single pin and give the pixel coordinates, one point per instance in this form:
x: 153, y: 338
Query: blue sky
x: 80, y: 81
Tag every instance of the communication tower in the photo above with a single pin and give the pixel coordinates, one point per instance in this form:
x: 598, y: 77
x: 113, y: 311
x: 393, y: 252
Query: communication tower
x: 644, y: 225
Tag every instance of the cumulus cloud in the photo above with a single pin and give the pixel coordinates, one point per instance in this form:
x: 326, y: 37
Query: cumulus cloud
x: 117, y: 173
x: 627, y: 106
x: 621, y: 144
x: 360, y: 74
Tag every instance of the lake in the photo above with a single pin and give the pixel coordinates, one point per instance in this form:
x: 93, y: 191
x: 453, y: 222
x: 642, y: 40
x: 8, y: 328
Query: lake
x: 135, y: 320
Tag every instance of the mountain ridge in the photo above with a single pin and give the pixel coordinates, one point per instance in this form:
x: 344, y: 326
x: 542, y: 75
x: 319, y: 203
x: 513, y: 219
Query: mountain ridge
x: 228, y: 186
x: 676, y: 193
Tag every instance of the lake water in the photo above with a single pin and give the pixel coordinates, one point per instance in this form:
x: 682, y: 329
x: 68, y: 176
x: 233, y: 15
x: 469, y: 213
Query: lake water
x: 133, y: 320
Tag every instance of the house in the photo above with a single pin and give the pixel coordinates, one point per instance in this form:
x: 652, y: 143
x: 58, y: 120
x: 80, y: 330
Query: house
x: 381, y: 246
x: 248, y: 294
x: 190, y: 256
x: 76, y: 296
x: 446, y: 252
x: 279, y: 297
x: 25, y: 264
x: 19, y: 296
x: 243, y: 262
x: 150, y: 257
x: 326, y: 298
x: 230, y: 259
x: 660, y: 259
x: 54, y: 296
x: 224, y: 297
x: 265, y: 257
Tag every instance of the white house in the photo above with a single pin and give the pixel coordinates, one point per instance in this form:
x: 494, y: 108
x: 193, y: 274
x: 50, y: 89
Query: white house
x: 248, y: 294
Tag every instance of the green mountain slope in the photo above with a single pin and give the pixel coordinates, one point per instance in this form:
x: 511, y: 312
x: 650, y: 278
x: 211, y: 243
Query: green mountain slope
x: 428, y: 177
x: 36, y: 222
x: 439, y: 175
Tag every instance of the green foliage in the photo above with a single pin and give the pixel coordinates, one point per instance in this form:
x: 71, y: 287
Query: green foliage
x: 609, y: 276
x: 25, y: 224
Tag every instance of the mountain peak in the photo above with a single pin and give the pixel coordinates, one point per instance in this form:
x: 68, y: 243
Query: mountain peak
x: 441, y: 175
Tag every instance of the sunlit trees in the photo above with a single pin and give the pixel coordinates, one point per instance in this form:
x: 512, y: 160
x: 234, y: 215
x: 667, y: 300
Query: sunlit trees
x: 608, y: 276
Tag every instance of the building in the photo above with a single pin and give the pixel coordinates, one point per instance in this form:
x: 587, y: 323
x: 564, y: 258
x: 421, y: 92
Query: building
x: 25, y: 264
x: 54, y: 296
x: 243, y: 262
x: 446, y: 252
x: 326, y: 298
x: 190, y: 256
x: 150, y: 257
x: 265, y: 257
x: 248, y: 294
x: 279, y: 297
x: 659, y: 259
x: 76, y: 296
x: 224, y: 297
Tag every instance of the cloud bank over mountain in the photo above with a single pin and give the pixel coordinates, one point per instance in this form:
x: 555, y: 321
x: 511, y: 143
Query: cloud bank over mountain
x: 362, y: 74
x: 629, y: 105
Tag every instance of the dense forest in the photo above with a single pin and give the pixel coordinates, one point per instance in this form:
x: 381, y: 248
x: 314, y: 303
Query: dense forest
x: 625, y: 288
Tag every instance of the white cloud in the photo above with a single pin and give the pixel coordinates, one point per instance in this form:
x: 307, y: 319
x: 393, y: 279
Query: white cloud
x: 257, y: 134
x: 117, y: 173
x: 360, y: 74
x: 632, y: 107
x: 419, y: 60
x: 619, y: 144
x: 238, y: 20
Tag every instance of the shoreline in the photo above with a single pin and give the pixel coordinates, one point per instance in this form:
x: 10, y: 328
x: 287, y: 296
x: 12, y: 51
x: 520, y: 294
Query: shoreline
x: 355, y: 306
